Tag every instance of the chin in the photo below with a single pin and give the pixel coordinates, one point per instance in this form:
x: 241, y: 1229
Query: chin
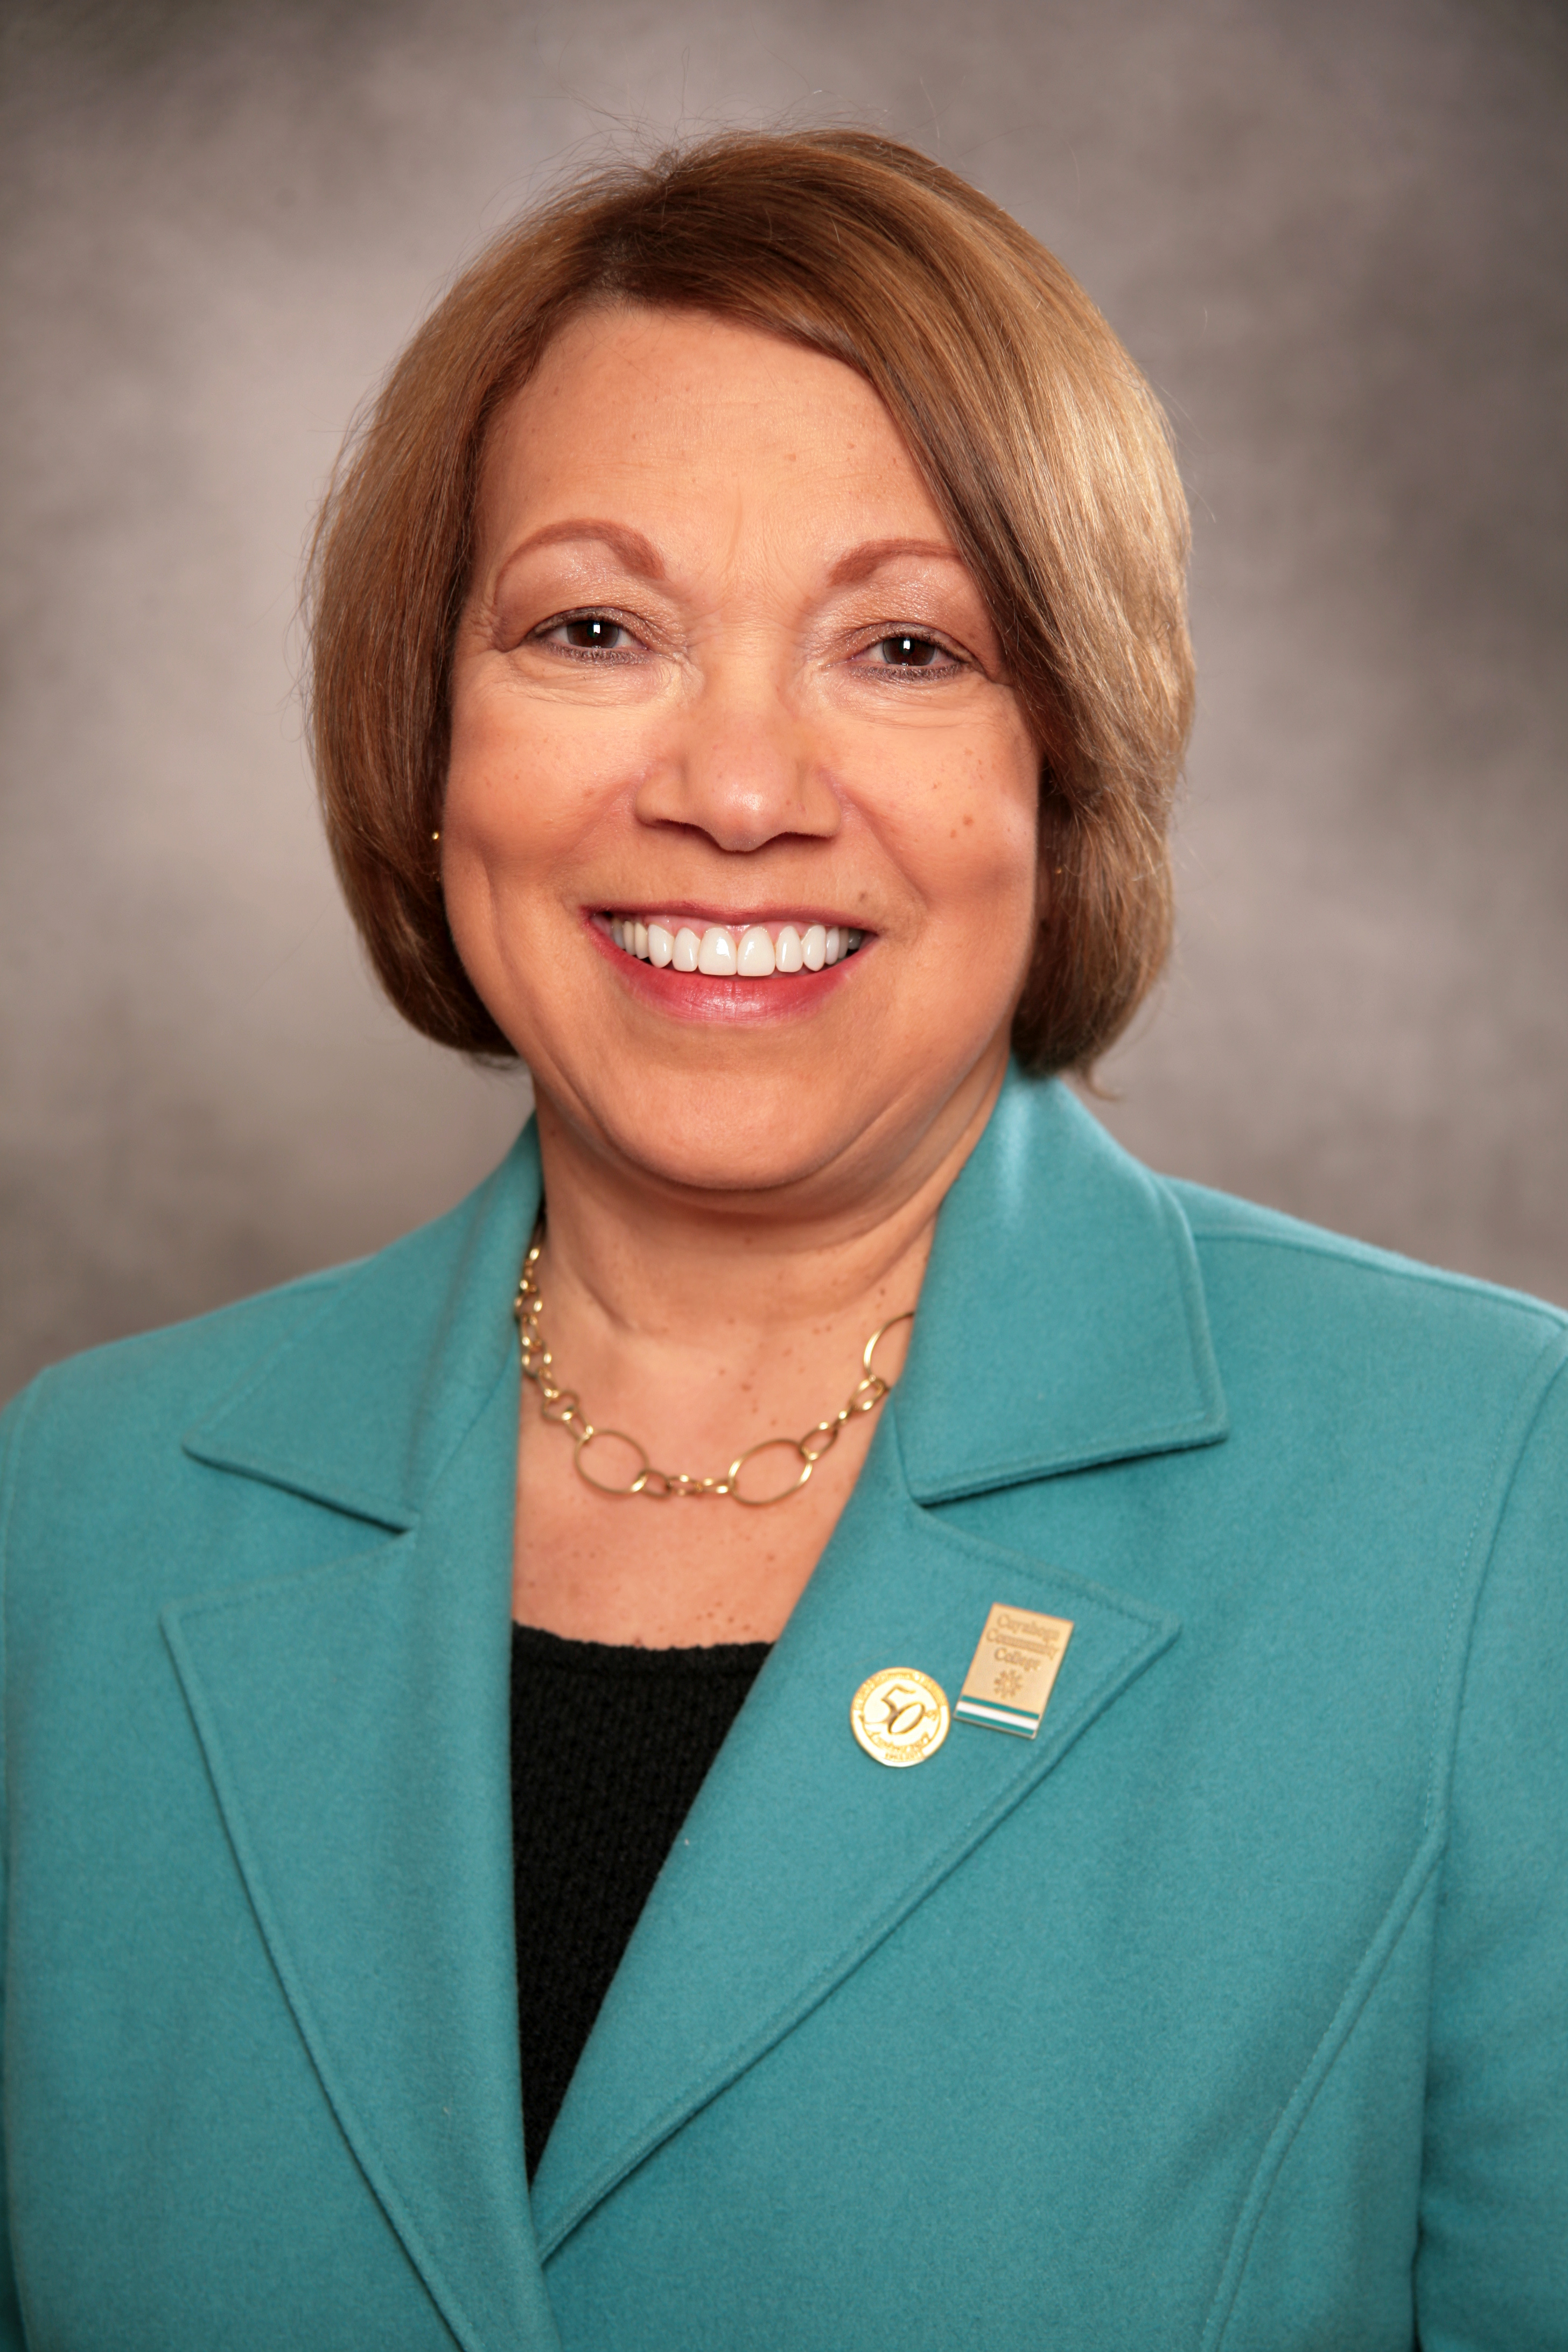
x: 760, y: 1150
x: 720, y: 1130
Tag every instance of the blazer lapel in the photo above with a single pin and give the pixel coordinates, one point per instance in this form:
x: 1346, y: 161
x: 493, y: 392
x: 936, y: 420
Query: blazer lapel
x: 1061, y: 1320
x: 1061, y: 1324
x: 802, y: 1852
x: 354, y: 1721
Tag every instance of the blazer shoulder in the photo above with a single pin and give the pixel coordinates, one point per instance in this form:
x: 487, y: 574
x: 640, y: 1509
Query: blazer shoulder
x: 178, y: 1364
x: 1265, y: 1251
x: 323, y: 1389
x: 188, y: 1366
x: 156, y: 1383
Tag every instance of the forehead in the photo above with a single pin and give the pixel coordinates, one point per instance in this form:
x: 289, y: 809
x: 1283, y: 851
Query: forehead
x: 661, y: 407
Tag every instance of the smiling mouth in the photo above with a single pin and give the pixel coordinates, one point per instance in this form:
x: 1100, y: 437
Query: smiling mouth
x: 731, y: 950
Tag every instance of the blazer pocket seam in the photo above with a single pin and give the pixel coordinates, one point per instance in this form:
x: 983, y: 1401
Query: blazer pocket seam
x: 1475, y: 1568
x: 1336, y: 2037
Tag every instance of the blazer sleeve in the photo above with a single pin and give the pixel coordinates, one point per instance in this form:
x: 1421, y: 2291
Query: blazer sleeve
x: 11, y: 1421
x: 1491, y: 2272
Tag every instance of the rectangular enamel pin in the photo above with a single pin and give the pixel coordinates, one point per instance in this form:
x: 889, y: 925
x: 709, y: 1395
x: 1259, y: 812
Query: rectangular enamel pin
x: 1010, y: 1678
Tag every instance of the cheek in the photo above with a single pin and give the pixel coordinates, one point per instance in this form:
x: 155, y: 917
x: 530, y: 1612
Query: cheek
x: 527, y: 789
x: 973, y: 844
x: 523, y: 785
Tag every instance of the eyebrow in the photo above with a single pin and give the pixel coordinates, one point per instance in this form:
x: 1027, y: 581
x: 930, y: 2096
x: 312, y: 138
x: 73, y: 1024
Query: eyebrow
x: 640, y: 556
x: 857, y: 563
x: 636, y: 552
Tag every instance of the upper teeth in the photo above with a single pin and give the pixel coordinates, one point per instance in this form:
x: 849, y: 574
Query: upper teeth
x: 750, y: 952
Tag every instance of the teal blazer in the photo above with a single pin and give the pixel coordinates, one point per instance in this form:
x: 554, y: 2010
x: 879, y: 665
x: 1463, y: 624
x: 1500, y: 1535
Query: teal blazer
x: 1229, y: 2011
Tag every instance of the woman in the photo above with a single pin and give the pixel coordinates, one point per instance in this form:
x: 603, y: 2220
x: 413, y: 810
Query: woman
x: 1127, y: 1908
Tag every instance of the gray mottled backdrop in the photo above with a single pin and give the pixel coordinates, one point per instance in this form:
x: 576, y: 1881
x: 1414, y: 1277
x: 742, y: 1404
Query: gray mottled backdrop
x: 1337, y: 237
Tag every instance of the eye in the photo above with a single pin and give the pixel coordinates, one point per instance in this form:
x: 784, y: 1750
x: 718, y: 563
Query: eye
x: 903, y: 650
x: 586, y: 633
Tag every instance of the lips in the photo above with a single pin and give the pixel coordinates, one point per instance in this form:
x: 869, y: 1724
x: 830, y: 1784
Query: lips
x: 730, y: 951
x: 740, y: 974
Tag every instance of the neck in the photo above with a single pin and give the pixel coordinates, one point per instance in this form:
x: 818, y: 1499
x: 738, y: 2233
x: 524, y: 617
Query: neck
x: 635, y: 1260
x: 703, y: 1326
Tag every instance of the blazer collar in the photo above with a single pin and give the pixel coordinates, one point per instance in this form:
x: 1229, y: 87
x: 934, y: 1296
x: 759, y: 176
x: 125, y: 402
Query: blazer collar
x: 1061, y: 1321
x: 366, y: 1401
x: 1061, y: 1324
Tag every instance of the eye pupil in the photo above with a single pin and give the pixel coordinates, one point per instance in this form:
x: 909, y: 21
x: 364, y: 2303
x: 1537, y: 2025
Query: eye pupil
x: 593, y: 635
x: 911, y: 653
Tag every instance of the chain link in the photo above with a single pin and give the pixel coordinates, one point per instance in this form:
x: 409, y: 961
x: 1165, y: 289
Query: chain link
x: 564, y: 1407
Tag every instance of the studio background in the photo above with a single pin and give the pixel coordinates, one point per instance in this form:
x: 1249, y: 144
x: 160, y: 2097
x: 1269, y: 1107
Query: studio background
x: 1335, y: 237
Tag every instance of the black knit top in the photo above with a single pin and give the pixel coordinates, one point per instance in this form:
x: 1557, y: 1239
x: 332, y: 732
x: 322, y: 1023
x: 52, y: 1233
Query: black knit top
x: 609, y: 1747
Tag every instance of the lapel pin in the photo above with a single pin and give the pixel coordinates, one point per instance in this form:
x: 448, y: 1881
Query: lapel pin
x: 900, y: 1716
x: 1010, y: 1676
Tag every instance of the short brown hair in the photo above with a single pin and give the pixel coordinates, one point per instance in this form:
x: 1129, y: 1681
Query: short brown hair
x: 1038, y: 440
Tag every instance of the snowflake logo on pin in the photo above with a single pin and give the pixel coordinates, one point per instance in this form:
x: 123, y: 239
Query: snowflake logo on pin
x: 1008, y: 1684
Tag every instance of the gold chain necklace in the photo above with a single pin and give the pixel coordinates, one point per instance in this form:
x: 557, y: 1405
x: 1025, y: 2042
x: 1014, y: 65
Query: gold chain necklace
x: 564, y: 1406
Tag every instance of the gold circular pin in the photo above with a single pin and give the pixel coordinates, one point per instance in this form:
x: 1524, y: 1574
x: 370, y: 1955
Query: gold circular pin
x: 901, y: 1716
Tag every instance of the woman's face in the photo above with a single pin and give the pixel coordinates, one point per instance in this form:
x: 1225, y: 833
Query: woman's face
x: 724, y: 691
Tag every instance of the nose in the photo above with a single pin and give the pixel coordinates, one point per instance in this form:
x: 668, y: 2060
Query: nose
x: 742, y: 764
